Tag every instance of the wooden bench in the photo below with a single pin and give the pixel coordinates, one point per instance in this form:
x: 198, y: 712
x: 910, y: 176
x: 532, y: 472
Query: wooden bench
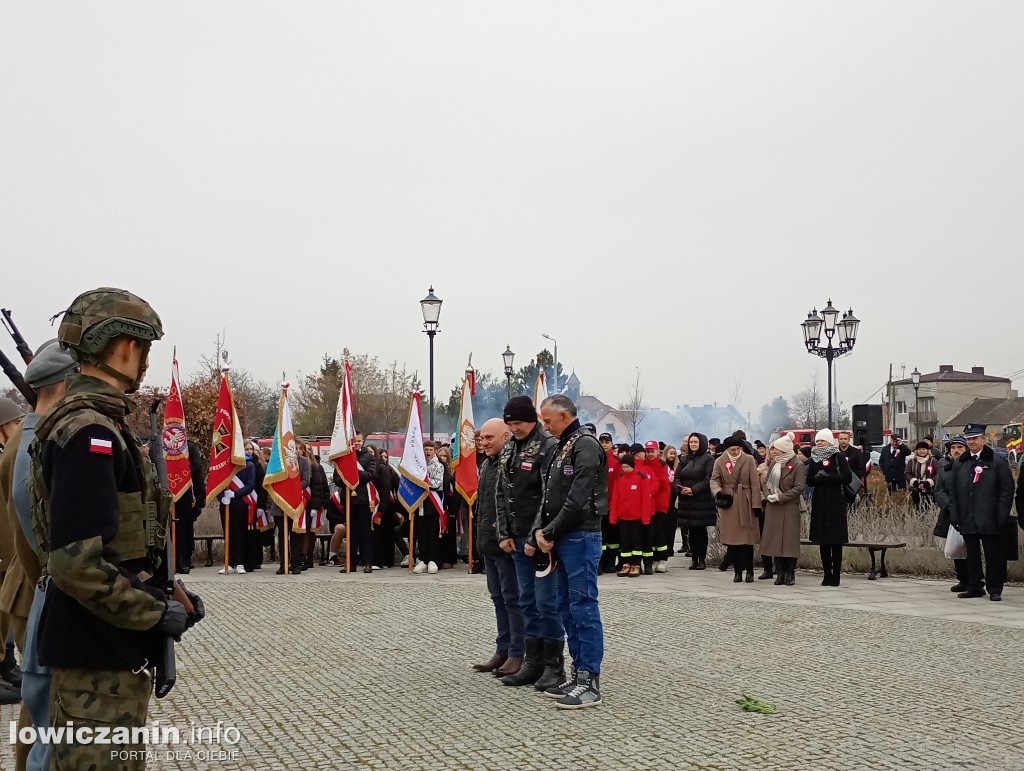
x: 209, y: 546
x: 872, y: 548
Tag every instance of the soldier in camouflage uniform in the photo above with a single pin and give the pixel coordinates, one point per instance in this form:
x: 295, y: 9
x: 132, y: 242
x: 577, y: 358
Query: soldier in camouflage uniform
x: 100, y: 522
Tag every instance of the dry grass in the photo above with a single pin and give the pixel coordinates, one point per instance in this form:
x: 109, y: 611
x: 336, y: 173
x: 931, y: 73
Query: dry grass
x: 881, y: 518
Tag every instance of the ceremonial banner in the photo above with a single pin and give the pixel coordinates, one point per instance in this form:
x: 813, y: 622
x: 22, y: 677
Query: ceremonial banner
x: 540, y: 390
x: 175, y: 440
x: 282, y: 480
x: 414, y: 484
x: 340, y: 451
x: 227, y: 448
x: 464, y: 451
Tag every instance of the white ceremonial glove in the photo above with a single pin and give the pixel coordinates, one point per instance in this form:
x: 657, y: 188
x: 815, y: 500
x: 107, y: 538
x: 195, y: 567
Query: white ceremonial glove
x: 773, y: 498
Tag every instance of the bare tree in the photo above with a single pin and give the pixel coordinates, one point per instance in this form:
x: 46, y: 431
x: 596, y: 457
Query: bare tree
x: 635, y: 407
x: 807, y: 408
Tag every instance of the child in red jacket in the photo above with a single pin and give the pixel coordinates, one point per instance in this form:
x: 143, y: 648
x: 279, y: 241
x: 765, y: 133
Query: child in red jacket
x: 630, y: 509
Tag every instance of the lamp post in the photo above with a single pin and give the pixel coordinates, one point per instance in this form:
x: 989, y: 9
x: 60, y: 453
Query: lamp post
x: 915, y: 378
x: 508, y: 357
x: 431, y: 307
x: 843, y: 332
x: 549, y: 337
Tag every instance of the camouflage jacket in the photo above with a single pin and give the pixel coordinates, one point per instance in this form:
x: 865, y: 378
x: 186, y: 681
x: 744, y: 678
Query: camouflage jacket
x: 100, y: 522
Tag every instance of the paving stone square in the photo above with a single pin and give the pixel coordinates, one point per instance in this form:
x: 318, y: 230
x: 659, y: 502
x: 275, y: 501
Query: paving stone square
x: 327, y: 670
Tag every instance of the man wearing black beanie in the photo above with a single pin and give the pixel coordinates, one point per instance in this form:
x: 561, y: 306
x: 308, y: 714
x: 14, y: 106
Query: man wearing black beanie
x: 518, y: 501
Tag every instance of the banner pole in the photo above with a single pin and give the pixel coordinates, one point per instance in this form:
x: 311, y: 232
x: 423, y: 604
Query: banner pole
x: 286, y: 539
x: 471, y: 538
x: 227, y: 537
x: 348, y: 529
x: 412, y: 542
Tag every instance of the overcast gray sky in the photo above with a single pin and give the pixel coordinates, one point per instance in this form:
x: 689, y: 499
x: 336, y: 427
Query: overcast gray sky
x: 669, y: 185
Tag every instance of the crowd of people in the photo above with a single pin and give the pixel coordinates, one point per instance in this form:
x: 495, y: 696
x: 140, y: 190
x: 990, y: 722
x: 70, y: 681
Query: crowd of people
x: 753, y: 494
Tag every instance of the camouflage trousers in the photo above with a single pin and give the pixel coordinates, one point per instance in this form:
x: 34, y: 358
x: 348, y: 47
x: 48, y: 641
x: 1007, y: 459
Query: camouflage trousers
x: 100, y: 700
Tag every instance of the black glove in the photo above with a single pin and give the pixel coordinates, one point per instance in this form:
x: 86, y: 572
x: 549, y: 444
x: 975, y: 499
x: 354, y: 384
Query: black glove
x: 174, y: 621
x: 198, y: 608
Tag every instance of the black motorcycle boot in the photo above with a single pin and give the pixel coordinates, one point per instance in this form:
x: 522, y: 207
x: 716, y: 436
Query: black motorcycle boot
x: 533, y: 664
x: 554, y: 665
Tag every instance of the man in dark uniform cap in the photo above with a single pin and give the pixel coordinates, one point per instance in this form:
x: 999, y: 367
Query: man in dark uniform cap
x: 981, y: 497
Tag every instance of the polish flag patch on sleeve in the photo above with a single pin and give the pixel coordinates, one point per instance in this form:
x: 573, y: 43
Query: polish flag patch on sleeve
x: 101, y: 446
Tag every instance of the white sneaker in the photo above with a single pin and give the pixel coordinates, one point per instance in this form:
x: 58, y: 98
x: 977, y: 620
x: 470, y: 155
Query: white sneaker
x: 421, y: 568
x: 240, y: 570
x: 222, y: 571
x: 432, y: 568
x: 375, y: 567
x: 661, y: 567
x: 405, y: 562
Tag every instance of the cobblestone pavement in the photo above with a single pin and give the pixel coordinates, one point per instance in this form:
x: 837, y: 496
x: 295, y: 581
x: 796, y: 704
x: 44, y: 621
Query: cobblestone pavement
x: 334, y: 671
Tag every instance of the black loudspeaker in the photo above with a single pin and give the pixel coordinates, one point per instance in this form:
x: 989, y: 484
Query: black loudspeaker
x: 867, y: 424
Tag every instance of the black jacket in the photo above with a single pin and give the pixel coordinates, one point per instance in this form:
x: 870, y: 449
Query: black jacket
x: 943, y: 483
x: 520, y: 490
x: 694, y: 471
x: 319, y: 489
x: 262, y: 494
x: 576, y: 486
x: 981, y: 494
x: 486, y: 512
x: 856, y: 460
x: 894, y: 466
x: 247, y: 477
x: 367, y: 473
x: 828, y: 504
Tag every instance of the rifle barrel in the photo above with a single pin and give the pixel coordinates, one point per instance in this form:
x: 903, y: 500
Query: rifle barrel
x: 19, y: 342
x: 16, y: 378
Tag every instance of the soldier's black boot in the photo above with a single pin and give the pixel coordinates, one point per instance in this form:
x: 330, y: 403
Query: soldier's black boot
x: 533, y: 664
x: 9, y: 669
x: 554, y: 665
x: 9, y: 694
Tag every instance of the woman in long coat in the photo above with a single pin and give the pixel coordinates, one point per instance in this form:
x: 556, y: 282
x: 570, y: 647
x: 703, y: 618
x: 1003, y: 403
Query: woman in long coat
x: 737, y: 491
x: 694, y: 499
x: 783, y: 485
x: 828, y: 471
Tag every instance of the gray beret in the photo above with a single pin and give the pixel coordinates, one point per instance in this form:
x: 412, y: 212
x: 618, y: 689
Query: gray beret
x: 49, y: 365
x: 9, y: 410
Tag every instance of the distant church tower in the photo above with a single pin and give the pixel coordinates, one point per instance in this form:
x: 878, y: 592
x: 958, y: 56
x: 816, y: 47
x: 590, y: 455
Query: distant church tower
x: 572, y: 386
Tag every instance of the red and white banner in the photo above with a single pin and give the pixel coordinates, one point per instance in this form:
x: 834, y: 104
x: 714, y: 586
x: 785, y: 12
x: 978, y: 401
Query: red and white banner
x: 175, y: 440
x: 227, y: 447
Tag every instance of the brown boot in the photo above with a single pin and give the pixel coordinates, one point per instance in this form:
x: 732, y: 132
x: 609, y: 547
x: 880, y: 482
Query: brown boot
x: 625, y: 570
x: 492, y: 663
x: 512, y: 665
x: 634, y: 571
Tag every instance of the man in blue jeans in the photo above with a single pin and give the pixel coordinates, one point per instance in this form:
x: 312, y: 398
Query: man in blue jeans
x: 575, y: 500
x: 518, y: 501
x: 499, y: 566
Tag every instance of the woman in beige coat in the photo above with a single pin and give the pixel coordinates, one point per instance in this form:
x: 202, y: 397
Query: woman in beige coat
x: 783, y: 486
x: 737, y: 490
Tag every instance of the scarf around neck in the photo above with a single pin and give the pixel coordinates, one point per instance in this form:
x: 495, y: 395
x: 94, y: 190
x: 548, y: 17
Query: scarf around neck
x: 820, y: 454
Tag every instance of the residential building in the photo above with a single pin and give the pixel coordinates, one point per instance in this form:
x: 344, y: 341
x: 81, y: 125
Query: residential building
x: 940, y: 396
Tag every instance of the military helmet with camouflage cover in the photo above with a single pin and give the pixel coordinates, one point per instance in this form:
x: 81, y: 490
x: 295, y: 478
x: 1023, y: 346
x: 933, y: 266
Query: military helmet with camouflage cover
x: 100, y: 315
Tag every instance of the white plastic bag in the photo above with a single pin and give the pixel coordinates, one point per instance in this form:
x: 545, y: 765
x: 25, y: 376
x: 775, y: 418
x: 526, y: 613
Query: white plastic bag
x: 956, y: 549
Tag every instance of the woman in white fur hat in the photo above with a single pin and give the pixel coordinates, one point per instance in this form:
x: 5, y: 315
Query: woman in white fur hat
x: 828, y: 472
x: 782, y: 488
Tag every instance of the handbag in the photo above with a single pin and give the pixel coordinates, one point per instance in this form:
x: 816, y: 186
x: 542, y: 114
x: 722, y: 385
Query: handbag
x: 956, y: 549
x: 723, y: 500
x: 852, y: 488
